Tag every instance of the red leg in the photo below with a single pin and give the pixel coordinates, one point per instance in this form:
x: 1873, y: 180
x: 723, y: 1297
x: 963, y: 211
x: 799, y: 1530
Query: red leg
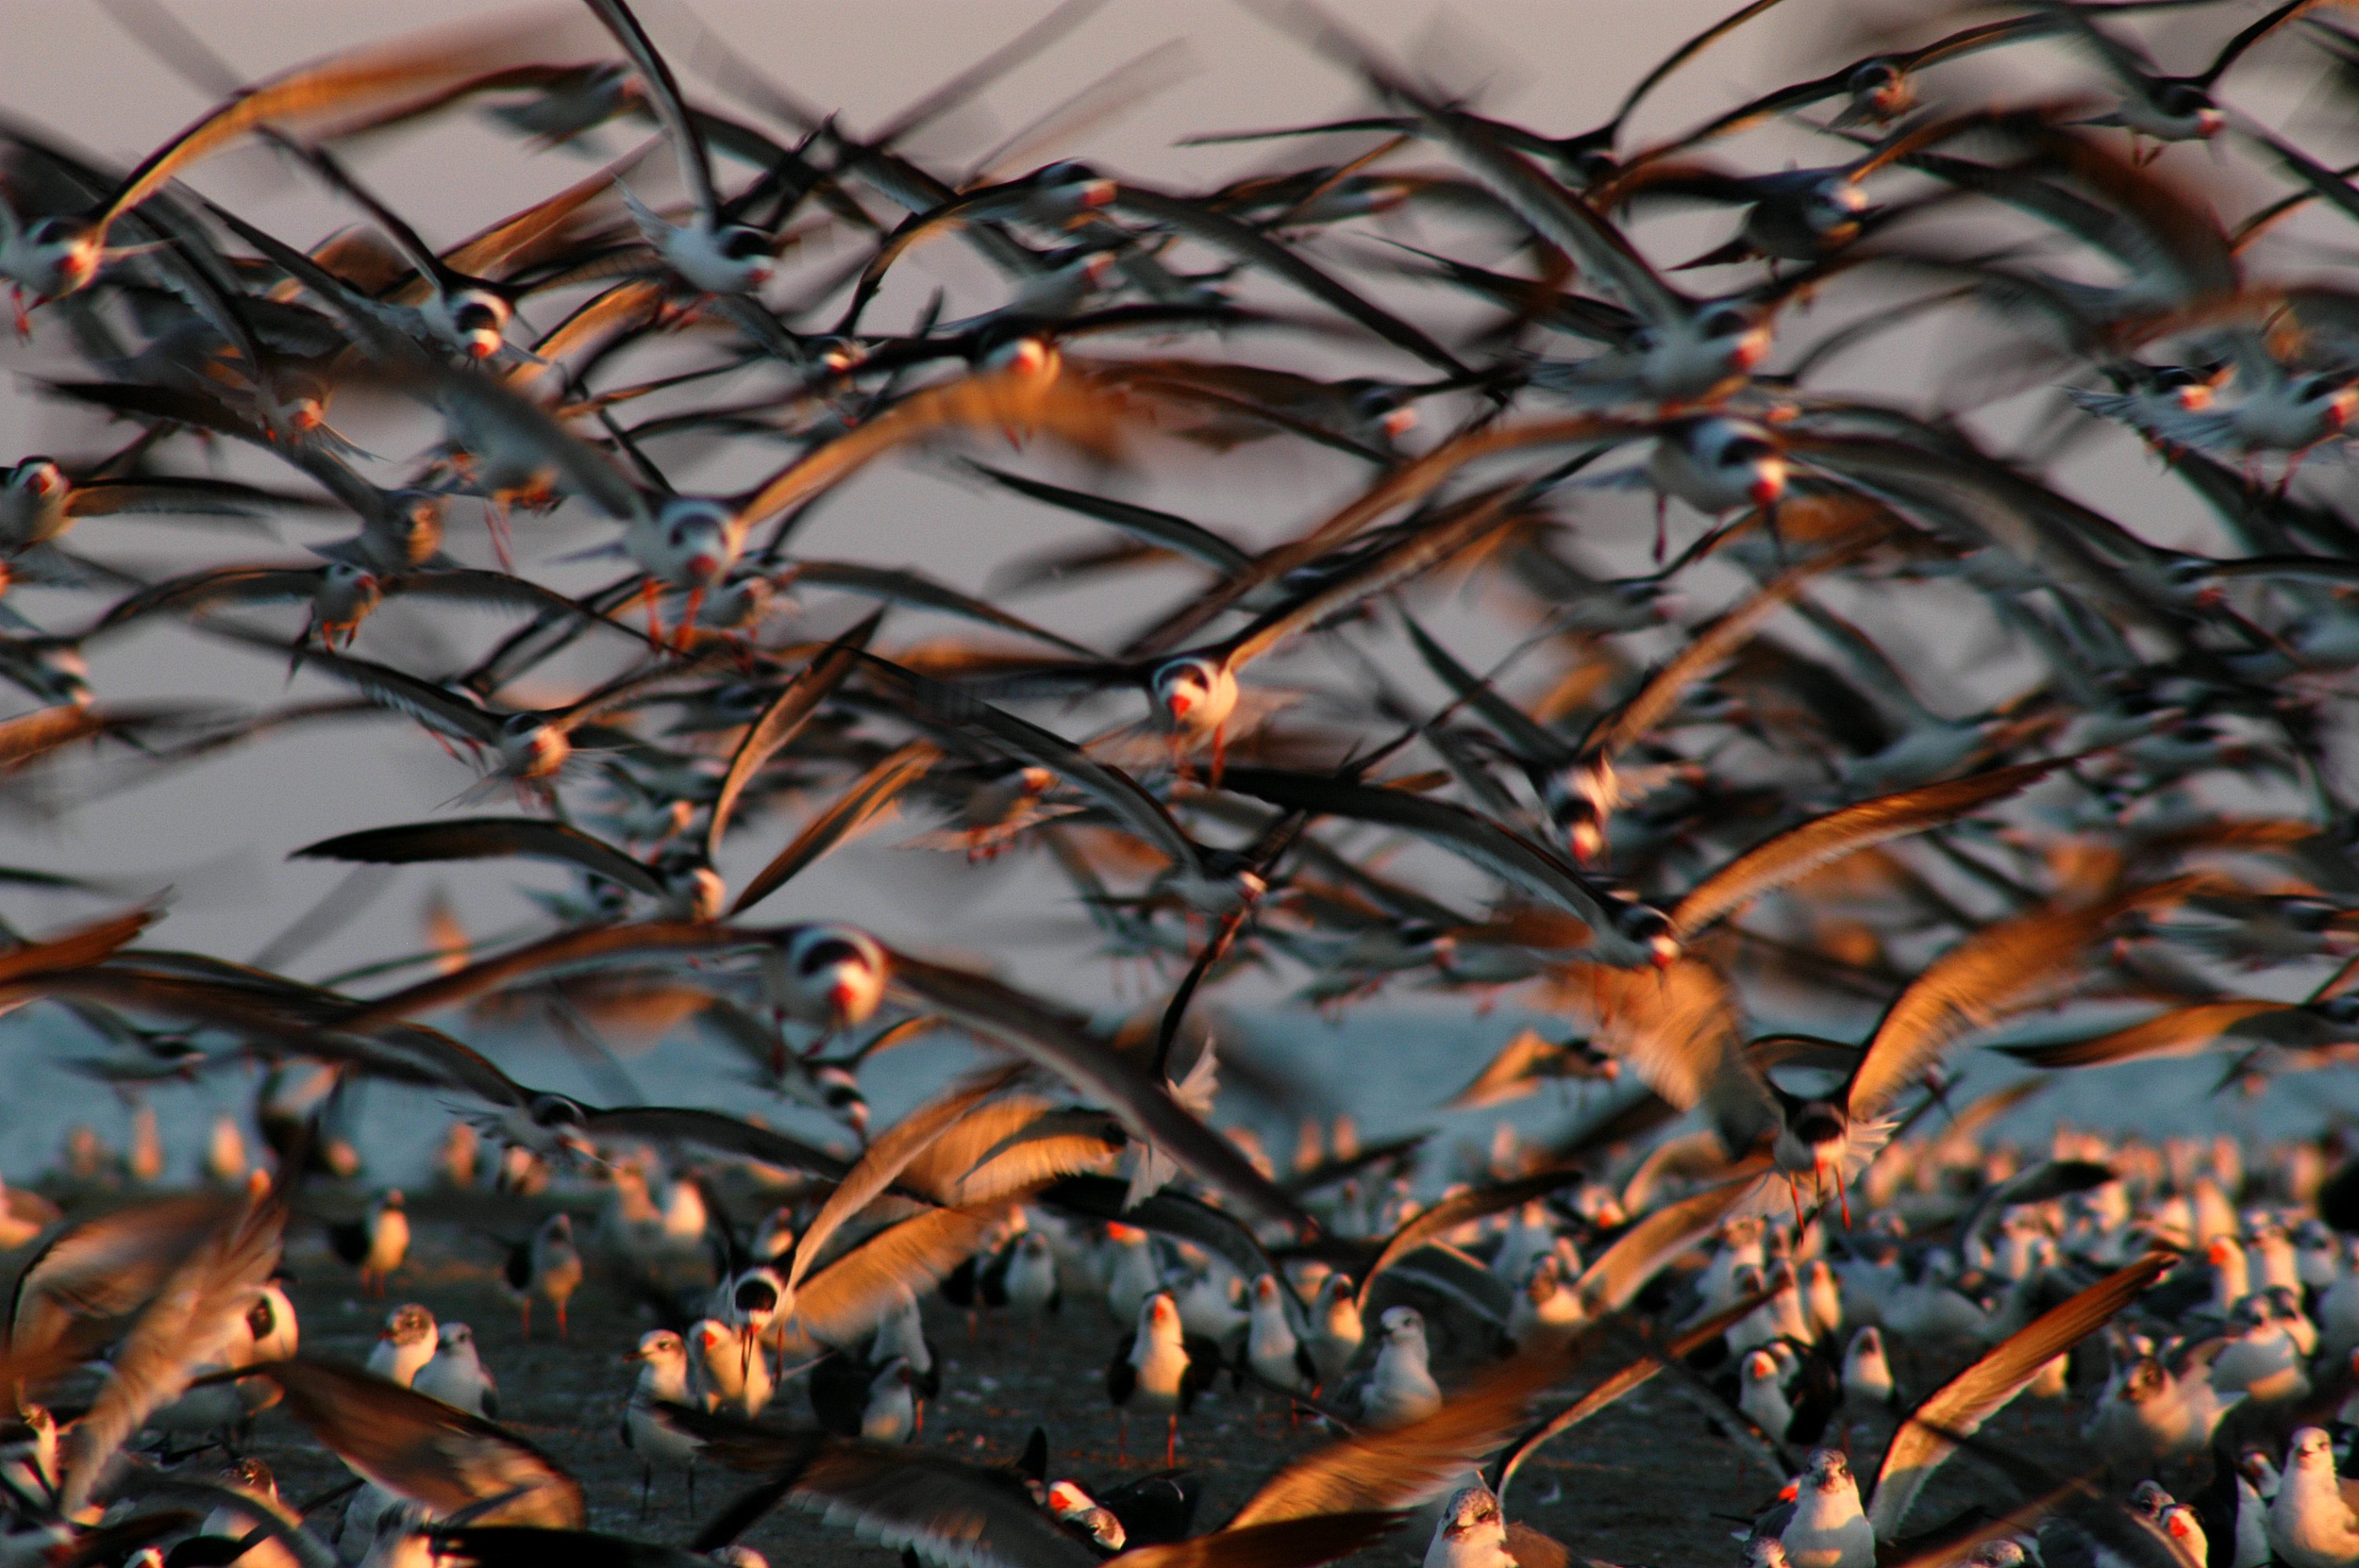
x: 528, y: 1312
x: 647, y: 592
x: 688, y: 618
x: 560, y: 1320
x: 1661, y: 504
x: 1171, y: 1442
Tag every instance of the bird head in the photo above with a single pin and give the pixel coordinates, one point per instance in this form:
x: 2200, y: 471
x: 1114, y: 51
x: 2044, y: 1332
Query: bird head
x: 479, y: 322
x: 836, y: 974
x: 40, y: 479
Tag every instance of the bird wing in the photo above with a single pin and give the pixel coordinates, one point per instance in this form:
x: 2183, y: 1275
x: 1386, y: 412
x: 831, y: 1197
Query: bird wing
x: 194, y: 1317
x: 1507, y: 855
x: 1646, y: 708
x: 1459, y: 1209
x: 566, y: 948
x: 783, y: 720
x: 420, y: 1448
x: 842, y: 1303
x: 1997, y: 968
x: 663, y: 95
x: 486, y: 838
x: 344, y: 83
x: 1012, y: 398
x: 1062, y: 1043
x: 201, y: 590
x: 1798, y: 851
x: 946, y: 709
x: 921, y: 591
x: 1167, y: 1213
x: 1458, y: 528
x: 78, y: 948
x: 481, y: 402
x: 103, y: 1269
x: 1162, y: 529
x: 1046, y: 1148
x: 1407, y: 1465
x: 881, y: 1163
x: 1279, y: 1543
x: 1959, y: 1407
x: 1620, y: 1273
x: 714, y: 1130
x: 868, y: 794
x: 435, y: 706
x: 2174, y: 1031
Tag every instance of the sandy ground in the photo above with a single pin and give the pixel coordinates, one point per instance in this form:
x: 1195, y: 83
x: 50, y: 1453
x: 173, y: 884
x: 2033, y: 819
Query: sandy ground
x: 1646, y: 1482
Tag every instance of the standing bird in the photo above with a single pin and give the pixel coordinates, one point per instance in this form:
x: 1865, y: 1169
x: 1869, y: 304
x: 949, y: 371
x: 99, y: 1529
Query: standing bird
x: 1336, y: 1330
x: 406, y: 1344
x: 1400, y: 1388
x: 1272, y: 1348
x: 547, y: 1267
x: 729, y: 1370
x: 376, y: 1242
x: 1827, y: 1529
x: 2310, y: 1523
x: 662, y: 1380
x: 455, y: 1374
x: 1158, y: 1370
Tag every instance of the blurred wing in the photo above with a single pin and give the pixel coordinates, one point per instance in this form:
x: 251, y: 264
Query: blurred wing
x: 1281, y: 1543
x: 783, y: 720
x: 1167, y: 1213
x: 1459, y: 1210
x: 1959, y: 1407
x: 883, y: 1163
x: 663, y: 95
x: 1640, y: 1253
x: 1410, y: 1464
x: 192, y: 1319
x: 2177, y: 1031
x: 843, y: 1302
x: 424, y: 1450
x: 1798, y: 851
x: 107, y: 1268
x: 1063, y: 1044
x: 918, y: 589
x: 487, y: 838
x: 201, y: 590
x: 712, y: 1131
x: 870, y: 794
x: 1997, y: 968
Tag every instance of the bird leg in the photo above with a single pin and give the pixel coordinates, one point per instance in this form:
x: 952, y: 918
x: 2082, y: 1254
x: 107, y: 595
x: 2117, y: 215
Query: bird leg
x: 1794, y: 1190
x: 560, y: 1320
x: 527, y: 1313
x: 688, y: 618
x: 496, y: 522
x: 1171, y: 1440
x: 1122, y: 1439
x: 1220, y: 754
x: 647, y: 593
x: 1661, y: 504
x: 918, y: 1416
x: 1842, y: 1199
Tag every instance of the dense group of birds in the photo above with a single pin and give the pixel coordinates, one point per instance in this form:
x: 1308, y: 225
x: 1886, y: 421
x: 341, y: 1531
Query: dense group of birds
x: 1885, y: 731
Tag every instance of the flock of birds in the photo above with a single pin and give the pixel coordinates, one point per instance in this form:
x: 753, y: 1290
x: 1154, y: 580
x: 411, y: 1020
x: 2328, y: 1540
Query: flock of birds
x: 2101, y: 769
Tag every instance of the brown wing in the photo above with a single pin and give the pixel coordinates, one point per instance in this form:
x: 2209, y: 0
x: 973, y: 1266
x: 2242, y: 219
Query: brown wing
x: 193, y: 1318
x: 1959, y: 1407
x: 1013, y: 398
x: 1622, y: 1270
x: 1798, y: 851
x: 843, y: 1302
x: 424, y: 1450
x: 2176, y: 1031
x: 1676, y: 1028
x: 80, y: 1285
x: 1458, y: 1210
x: 1408, y: 1464
x: 883, y: 1162
x: 1281, y: 1543
x: 1998, y: 967
x: 783, y: 720
x: 869, y: 794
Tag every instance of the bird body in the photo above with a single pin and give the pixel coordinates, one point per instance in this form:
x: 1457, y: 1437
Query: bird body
x: 1401, y: 1387
x: 455, y: 1374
